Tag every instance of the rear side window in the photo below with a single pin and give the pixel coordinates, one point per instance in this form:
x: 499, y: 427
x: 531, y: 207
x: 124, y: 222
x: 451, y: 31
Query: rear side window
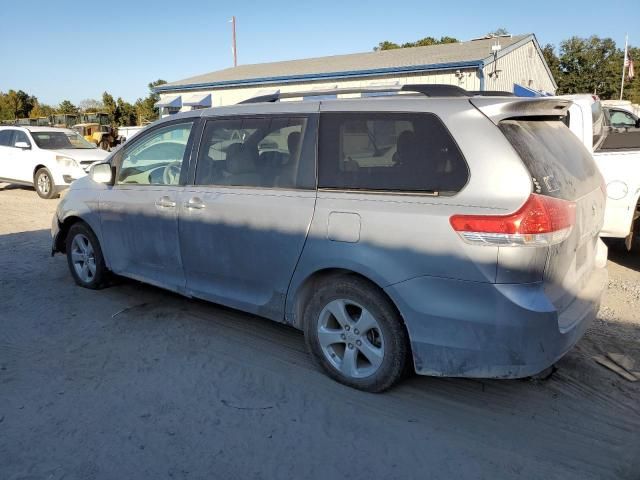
x: 20, y: 137
x: 5, y: 138
x: 411, y: 152
x: 558, y: 162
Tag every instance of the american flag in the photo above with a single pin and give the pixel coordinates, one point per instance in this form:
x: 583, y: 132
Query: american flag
x: 628, y: 63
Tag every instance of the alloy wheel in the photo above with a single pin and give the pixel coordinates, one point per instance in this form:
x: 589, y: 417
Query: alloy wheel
x: 44, y: 183
x: 350, y: 338
x: 83, y: 258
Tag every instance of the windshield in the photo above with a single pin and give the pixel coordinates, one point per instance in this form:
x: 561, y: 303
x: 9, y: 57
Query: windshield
x: 59, y: 140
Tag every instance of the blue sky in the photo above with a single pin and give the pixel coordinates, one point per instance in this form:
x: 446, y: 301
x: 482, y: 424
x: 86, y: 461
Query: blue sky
x: 70, y: 50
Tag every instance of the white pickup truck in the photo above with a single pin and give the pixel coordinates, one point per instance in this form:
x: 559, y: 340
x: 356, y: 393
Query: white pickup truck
x: 618, y: 157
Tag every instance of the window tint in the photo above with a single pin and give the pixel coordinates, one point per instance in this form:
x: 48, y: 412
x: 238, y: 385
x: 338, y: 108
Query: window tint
x: 20, y: 137
x: 389, y: 151
x: 156, y: 159
x: 5, y: 138
x: 252, y: 152
x: 557, y: 160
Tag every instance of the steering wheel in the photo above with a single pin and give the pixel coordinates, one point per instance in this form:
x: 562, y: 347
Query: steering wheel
x: 171, y: 173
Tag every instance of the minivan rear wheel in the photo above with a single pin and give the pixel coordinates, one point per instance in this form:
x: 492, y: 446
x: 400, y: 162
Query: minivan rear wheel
x: 355, y: 334
x: 84, y: 257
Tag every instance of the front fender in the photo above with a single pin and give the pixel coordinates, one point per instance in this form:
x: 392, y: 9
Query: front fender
x: 81, y: 202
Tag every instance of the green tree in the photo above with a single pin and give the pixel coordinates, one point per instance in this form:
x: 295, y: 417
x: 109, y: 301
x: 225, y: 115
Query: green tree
x: 549, y: 54
x: 67, y: 107
x: 499, y: 31
x: 110, y: 106
x: 386, y: 45
x: 423, y: 42
x: 28, y: 102
x: 14, y: 104
x: 145, y: 107
x: 5, y: 113
x: 126, y: 113
x: 41, y: 110
x: 590, y: 65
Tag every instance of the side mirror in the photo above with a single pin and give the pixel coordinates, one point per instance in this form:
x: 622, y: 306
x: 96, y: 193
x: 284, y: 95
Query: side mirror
x: 638, y: 123
x: 22, y: 145
x: 101, y: 173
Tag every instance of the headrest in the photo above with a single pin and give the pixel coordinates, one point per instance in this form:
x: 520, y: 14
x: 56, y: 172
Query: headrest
x: 241, y: 158
x: 293, y: 142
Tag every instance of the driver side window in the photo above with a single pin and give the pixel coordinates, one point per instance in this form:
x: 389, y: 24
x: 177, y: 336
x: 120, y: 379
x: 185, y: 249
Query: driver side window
x: 157, y: 158
x: 619, y: 118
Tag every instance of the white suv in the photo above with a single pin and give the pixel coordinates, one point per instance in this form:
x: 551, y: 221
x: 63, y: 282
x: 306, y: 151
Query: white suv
x: 46, y: 157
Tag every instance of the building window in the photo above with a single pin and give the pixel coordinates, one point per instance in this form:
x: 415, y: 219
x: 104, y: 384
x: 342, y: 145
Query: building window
x: 170, y: 110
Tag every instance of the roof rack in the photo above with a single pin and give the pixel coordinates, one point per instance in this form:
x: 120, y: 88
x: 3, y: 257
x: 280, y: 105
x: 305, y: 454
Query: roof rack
x: 426, y: 90
x: 491, y: 93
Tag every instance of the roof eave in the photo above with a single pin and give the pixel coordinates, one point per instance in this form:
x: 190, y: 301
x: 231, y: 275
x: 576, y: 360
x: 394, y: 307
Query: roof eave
x: 319, y: 76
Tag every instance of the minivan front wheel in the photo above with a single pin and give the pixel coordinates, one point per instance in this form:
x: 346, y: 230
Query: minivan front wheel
x: 356, y: 335
x: 84, y: 257
x: 43, y: 183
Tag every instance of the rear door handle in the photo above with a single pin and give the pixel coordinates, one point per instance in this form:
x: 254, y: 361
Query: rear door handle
x: 195, y: 203
x: 165, y: 202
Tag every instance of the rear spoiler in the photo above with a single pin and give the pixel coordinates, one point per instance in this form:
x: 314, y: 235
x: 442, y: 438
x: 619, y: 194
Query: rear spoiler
x: 498, y: 109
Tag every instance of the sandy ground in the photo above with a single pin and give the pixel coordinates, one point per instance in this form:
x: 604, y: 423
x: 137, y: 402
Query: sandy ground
x: 176, y: 388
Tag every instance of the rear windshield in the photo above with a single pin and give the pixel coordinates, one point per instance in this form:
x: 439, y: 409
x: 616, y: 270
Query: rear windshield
x: 560, y: 166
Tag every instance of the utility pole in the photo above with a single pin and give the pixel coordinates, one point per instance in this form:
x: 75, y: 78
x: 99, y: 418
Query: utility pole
x: 234, y: 47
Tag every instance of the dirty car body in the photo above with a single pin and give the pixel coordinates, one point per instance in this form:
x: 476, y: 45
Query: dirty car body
x: 475, y: 219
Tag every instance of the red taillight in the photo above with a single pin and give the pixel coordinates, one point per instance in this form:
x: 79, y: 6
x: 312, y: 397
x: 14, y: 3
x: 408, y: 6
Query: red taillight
x: 540, y: 221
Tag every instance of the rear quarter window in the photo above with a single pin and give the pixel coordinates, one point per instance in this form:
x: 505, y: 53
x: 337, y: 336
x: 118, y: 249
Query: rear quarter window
x: 559, y: 164
x: 405, y: 152
x: 5, y: 137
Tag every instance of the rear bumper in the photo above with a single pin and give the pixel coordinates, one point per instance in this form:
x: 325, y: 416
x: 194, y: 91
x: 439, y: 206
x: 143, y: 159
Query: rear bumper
x: 483, y: 330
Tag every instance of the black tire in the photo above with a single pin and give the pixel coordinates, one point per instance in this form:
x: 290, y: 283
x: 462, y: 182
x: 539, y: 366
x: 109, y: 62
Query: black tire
x: 393, y: 336
x: 44, y: 185
x: 101, y: 276
x: 633, y: 239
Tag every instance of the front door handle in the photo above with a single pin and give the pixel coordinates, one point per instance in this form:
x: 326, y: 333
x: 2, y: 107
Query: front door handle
x: 165, y: 202
x: 194, y: 202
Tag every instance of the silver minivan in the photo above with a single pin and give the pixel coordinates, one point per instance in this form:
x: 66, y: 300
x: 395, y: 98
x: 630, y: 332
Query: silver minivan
x: 430, y: 227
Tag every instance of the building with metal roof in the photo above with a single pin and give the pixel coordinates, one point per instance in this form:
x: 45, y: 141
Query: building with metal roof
x: 495, y: 63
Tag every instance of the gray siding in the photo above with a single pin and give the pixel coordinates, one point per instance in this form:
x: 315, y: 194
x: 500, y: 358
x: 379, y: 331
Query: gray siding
x: 523, y: 65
